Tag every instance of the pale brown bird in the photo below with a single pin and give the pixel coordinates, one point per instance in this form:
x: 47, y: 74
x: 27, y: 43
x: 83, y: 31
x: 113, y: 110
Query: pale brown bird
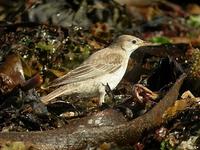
x: 104, y: 67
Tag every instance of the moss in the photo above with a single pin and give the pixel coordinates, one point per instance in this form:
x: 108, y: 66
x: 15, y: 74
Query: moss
x: 14, y: 146
x: 194, y: 21
x: 160, y: 39
x: 47, y: 46
x: 194, y: 71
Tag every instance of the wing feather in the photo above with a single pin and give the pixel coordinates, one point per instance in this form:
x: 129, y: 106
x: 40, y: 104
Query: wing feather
x: 91, y: 69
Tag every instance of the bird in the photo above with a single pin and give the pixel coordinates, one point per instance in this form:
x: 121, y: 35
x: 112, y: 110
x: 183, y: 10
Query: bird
x: 105, y: 67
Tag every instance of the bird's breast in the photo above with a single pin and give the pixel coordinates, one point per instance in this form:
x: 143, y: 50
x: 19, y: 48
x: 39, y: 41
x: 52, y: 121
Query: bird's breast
x: 114, y: 78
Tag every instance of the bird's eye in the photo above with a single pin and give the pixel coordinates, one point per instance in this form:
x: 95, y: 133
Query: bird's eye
x: 134, y: 41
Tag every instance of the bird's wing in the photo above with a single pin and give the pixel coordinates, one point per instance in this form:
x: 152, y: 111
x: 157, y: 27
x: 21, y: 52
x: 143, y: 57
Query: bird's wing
x: 95, y: 67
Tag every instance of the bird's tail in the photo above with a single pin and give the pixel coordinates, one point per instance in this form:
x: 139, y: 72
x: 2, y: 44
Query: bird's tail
x: 63, y: 90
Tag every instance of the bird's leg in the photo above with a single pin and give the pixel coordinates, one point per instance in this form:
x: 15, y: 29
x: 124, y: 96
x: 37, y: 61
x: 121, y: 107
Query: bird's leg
x: 109, y: 92
x: 102, y: 93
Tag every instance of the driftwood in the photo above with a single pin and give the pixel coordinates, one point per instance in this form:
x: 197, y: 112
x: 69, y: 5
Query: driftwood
x: 80, y: 137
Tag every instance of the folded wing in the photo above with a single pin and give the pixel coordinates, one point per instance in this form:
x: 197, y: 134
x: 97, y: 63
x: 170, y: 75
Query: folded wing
x: 90, y: 70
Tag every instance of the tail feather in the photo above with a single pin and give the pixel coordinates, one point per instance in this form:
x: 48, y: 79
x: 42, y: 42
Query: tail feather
x: 63, y: 90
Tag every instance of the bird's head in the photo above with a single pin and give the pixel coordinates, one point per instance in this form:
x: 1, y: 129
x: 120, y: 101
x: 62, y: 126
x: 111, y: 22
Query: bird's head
x: 130, y: 43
